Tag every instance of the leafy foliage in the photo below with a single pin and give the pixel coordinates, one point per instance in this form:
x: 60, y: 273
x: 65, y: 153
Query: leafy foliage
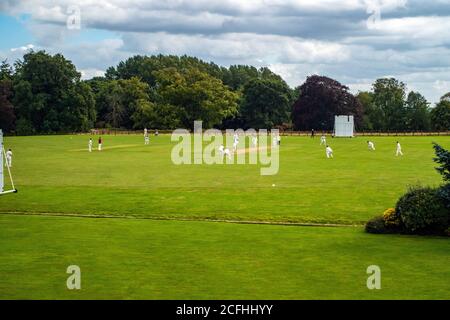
x: 49, y: 96
x: 377, y: 226
x: 196, y: 96
x: 443, y: 159
x: 44, y: 93
x: 266, y: 103
x: 422, y: 210
x: 440, y: 115
x: 389, y: 99
x: 7, y: 115
x: 444, y: 193
x: 320, y: 99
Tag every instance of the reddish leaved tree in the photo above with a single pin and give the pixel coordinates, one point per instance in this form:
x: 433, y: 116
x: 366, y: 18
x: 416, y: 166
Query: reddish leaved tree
x: 320, y: 99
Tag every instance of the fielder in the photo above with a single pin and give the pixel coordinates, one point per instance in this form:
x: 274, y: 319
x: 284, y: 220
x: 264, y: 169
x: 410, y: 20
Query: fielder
x: 221, y: 150
x: 90, y: 145
x: 227, y: 153
x: 235, y: 145
x: 399, y: 150
x: 235, y: 142
x: 329, y: 152
x: 255, y: 141
x: 371, y: 145
x: 100, y: 144
x: 146, y: 139
x: 323, y: 140
x: 9, y: 155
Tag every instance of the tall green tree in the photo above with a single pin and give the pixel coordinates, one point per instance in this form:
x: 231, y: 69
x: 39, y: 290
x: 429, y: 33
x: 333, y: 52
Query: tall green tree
x: 122, y: 103
x: 266, y: 103
x: 389, y: 99
x: 43, y: 86
x: 239, y: 75
x: 143, y: 67
x: 196, y: 95
x: 440, y: 114
x: 81, y: 112
x: 158, y: 116
x: 371, y: 116
x: 417, y: 112
x: 110, y: 109
x: 6, y: 71
x: 7, y: 114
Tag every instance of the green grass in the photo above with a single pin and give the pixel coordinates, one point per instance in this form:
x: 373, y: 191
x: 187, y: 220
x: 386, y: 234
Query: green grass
x: 122, y: 258
x: 56, y: 174
x: 146, y: 259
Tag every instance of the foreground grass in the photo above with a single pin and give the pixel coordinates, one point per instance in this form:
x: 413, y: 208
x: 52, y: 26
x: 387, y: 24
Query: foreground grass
x: 146, y: 259
x: 55, y: 174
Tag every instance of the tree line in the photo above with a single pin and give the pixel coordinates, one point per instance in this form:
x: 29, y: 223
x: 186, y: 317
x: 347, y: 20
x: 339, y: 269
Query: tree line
x: 44, y: 93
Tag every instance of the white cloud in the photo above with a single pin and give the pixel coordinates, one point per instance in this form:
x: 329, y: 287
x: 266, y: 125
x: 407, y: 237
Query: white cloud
x: 90, y: 73
x: 23, y: 48
x: 236, y: 47
x: 295, y: 38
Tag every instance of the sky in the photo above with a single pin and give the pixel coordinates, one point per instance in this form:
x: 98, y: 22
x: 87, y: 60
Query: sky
x: 352, y: 41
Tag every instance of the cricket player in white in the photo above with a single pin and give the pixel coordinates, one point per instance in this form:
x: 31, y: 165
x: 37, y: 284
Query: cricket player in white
x: 371, y: 145
x: 323, y: 140
x: 146, y: 137
x: 9, y: 155
x: 227, y: 153
x: 235, y: 142
x: 255, y: 141
x: 329, y: 152
x: 399, y: 150
x: 90, y: 145
x: 221, y: 149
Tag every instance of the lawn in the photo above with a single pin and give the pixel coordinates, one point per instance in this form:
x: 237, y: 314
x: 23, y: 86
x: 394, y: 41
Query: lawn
x: 109, y: 207
x: 57, y: 175
x: 147, y: 259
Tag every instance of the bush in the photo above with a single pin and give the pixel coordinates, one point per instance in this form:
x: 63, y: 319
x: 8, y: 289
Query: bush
x: 377, y: 226
x: 444, y: 193
x: 423, y: 211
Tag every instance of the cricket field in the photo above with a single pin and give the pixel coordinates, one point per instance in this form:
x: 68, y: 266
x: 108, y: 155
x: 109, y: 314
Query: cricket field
x: 141, y: 227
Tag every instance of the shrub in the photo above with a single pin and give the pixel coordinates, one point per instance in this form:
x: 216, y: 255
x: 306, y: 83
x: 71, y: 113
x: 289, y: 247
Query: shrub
x: 423, y: 211
x: 391, y: 218
x: 376, y: 225
x: 443, y: 159
x: 444, y: 193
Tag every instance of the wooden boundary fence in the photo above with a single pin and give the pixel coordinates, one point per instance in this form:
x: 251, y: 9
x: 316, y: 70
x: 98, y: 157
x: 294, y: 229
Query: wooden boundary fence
x: 283, y: 133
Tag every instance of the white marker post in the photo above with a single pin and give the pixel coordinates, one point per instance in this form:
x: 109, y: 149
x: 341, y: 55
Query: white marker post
x: 1, y: 162
x: 2, y: 183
